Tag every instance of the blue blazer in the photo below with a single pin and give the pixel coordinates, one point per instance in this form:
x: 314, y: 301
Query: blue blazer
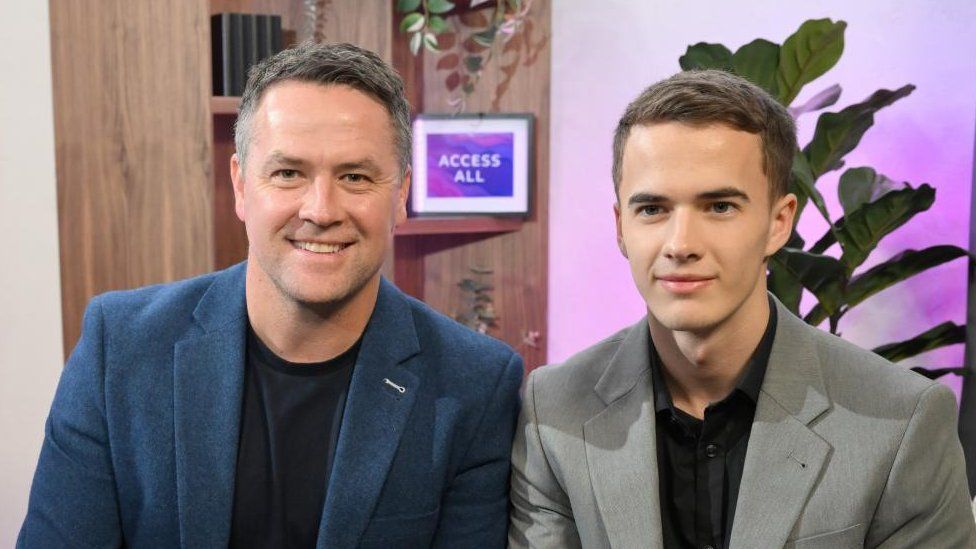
x: 140, y: 447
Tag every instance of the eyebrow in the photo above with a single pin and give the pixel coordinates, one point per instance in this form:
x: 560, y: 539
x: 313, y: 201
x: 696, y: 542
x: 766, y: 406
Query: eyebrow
x: 365, y: 164
x: 278, y: 158
x: 717, y: 194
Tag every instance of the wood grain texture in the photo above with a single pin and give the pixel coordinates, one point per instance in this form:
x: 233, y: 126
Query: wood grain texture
x: 132, y: 129
x: 230, y: 238
x: 517, y: 80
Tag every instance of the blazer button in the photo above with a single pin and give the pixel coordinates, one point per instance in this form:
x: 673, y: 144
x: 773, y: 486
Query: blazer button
x: 711, y: 450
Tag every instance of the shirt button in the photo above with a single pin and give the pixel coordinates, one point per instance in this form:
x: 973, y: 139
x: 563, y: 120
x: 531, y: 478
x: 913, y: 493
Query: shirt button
x: 711, y: 451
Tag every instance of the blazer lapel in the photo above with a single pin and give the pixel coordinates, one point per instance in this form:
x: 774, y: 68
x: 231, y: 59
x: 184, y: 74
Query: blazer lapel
x: 381, y: 394
x: 785, y: 456
x: 621, y: 450
x: 208, y: 382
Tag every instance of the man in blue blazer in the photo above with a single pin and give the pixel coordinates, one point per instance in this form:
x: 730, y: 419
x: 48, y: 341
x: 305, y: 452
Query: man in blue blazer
x: 297, y: 399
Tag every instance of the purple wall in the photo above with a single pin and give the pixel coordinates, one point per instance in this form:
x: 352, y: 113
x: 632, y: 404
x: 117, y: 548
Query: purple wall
x: 605, y: 53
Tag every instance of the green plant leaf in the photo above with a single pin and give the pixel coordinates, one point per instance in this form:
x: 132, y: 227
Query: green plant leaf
x: 784, y: 286
x: 472, y: 63
x: 822, y: 100
x: 947, y: 333
x: 412, y: 22
x: 437, y: 24
x: 706, y: 56
x: 807, y: 54
x: 821, y: 274
x: 758, y: 62
x: 439, y: 6
x: 939, y: 372
x: 484, y: 38
x: 430, y: 41
x: 415, y: 42
x: 854, y: 189
x: 407, y: 5
x: 515, y: 5
x: 859, y: 186
x: 802, y: 181
x: 859, y: 232
x: 837, y: 133
x: 885, y: 275
x: 781, y: 283
x: 901, y: 267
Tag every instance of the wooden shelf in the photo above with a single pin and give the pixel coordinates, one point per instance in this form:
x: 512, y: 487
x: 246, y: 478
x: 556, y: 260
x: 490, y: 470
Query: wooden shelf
x: 455, y: 225
x: 225, y: 105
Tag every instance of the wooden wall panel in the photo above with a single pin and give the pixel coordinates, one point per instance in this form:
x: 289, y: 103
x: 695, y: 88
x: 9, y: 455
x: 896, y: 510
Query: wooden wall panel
x: 519, y: 259
x: 132, y: 129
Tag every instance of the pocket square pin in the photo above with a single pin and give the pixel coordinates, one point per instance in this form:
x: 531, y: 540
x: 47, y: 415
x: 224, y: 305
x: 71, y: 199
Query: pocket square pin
x: 401, y: 389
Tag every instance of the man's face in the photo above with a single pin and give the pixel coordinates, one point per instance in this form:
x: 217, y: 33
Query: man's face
x: 320, y: 192
x: 695, y: 221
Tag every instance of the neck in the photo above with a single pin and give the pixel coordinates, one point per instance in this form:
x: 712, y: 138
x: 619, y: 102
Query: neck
x: 303, y: 332
x: 702, y: 367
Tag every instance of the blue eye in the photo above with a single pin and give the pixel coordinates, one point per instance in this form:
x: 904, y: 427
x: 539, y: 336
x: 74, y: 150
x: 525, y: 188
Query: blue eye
x: 355, y: 177
x: 722, y: 207
x: 285, y: 174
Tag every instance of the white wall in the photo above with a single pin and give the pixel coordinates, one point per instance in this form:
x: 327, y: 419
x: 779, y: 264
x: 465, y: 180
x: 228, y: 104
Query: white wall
x: 605, y: 53
x: 30, y: 288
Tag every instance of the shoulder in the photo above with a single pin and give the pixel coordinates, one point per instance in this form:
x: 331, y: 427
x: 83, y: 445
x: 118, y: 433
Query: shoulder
x: 862, y: 380
x: 158, y: 301
x: 151, y: 314
x: 583, y: 368
x: 570, y: 384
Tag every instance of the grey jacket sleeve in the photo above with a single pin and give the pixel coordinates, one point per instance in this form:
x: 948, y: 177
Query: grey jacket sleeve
x: 926, y: 499
x: 541, y: 515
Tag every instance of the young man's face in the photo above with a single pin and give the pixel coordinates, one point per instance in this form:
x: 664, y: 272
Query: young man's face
x: 695, y: 221
x: 320, y: 192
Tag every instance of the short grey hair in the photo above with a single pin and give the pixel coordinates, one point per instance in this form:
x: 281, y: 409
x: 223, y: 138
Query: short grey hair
x: 328, y: 64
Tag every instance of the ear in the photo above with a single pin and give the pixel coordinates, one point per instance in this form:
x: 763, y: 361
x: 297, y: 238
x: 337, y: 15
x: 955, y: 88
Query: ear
x: 620, y: 234
x: 237, y: 177
x: 781, y: 225
x: 402, y: 195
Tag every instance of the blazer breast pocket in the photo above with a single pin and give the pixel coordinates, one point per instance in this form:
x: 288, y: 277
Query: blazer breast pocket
x: 400, y: 530
x: 851, y: 537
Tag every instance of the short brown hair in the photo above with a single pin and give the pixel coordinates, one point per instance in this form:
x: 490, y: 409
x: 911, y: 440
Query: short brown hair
x: 703, y: 97
x: 328, y: 64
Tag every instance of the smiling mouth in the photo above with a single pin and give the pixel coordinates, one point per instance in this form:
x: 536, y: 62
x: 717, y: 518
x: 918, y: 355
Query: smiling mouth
x: 684, y: 285
x: 319, y: 247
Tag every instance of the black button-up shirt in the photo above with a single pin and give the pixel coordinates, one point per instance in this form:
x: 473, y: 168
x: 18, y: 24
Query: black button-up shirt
x: 700, y: 461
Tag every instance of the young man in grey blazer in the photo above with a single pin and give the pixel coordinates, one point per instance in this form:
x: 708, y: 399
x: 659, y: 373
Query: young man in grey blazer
x: 721, y: 419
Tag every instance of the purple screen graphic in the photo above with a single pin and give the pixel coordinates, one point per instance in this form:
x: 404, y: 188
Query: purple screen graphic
x: 470, y: 165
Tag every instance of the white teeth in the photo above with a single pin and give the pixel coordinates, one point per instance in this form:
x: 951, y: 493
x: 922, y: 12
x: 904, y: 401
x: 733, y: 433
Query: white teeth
x: 319, y: 248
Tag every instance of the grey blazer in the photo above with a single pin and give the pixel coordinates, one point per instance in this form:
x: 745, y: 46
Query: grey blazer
x: 846, y: 450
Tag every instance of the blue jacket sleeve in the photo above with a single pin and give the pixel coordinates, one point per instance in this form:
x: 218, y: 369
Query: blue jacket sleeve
x: 73, y: 497
x: 474, y: 509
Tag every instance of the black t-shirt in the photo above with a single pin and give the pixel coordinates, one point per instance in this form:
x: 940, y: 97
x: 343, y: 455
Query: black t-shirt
x: 289, y: 428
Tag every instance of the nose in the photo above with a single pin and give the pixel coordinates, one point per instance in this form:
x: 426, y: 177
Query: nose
x: 683, y: 242
x: 321, y: 203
